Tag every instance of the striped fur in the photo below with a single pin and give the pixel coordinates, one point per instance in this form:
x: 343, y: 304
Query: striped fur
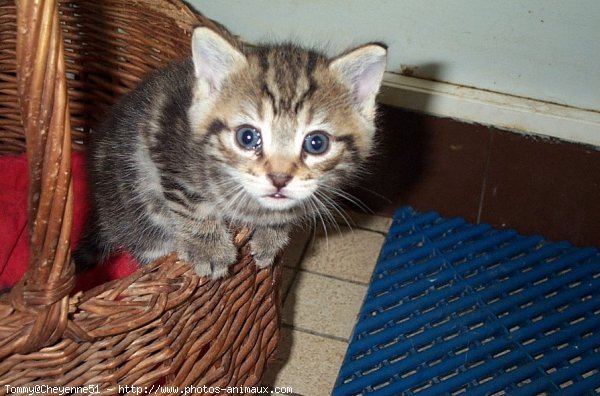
x: 167, y: 173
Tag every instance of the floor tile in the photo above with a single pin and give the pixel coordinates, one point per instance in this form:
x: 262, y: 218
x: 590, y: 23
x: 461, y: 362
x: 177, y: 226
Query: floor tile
x: 307, y: 363
x: 347, y: 254
x: 323, y: 305
x: 427, y: 162
x: 544, y: 187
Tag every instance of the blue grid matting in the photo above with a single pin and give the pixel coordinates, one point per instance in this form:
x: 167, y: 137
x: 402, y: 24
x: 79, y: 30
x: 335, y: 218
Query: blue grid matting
x: 455, y: 308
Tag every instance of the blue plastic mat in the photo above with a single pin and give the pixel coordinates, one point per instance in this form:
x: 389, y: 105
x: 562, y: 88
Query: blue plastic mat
x: 455, y: 308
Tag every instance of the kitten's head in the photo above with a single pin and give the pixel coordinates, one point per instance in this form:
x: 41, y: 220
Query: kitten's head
x: 285, y: 127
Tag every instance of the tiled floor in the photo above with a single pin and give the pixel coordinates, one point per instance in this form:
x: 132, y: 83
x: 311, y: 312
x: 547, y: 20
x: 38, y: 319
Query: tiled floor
x: 325, y: 280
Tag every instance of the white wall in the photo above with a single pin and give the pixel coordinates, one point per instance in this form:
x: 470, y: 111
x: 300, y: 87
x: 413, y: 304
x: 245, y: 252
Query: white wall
x: 547, y: 50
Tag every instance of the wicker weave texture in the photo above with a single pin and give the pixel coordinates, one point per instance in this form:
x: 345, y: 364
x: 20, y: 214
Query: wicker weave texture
x: 61, y: 66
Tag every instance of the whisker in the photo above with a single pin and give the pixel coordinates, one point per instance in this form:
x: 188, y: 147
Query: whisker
x: 325, y: 208
x: 337, y: 209
x: 375, y: 193
x: 318, y: 212
x: 235, y: 201
x: 230, y: 197
x: 349, y: 197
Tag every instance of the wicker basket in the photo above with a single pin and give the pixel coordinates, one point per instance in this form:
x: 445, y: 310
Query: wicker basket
x: 61, y: 66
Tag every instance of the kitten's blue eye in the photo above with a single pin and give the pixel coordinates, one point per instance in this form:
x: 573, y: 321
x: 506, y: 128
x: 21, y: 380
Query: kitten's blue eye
x: 316, y: 143
x: 248, y: 137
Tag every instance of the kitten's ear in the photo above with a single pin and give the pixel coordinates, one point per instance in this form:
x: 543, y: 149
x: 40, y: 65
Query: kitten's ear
x: 362, y: 70
x: 214, y: 57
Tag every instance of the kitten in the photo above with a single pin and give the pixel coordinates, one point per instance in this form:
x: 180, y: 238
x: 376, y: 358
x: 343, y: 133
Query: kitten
x: 238, y: 135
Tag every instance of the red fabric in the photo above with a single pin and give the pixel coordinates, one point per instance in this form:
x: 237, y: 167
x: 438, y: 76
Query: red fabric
x: 13, y: 225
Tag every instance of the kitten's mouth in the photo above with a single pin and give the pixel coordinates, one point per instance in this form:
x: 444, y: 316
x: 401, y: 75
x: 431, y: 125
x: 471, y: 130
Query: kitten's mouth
x: 278, y: 201
x: 277, y: 195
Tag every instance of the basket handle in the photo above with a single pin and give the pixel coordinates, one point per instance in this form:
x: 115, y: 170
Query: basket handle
x: 44, y: 290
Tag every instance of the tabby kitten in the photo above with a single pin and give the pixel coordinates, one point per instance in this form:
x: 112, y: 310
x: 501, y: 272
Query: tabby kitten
x: 238, y: 135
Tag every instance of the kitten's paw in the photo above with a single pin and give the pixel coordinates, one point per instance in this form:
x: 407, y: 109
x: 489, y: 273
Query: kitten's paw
x: 202, y: 269
x: 262, y: 260
x: 210, y: 260
x: 266, y: 243
x: 210, y: 270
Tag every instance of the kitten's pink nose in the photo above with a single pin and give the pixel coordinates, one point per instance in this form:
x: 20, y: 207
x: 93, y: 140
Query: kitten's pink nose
x: 279, y: 180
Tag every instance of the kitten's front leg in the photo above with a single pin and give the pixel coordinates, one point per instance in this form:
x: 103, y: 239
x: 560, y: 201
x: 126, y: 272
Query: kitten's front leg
x: 208, y: 246
x: 267, y: 242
